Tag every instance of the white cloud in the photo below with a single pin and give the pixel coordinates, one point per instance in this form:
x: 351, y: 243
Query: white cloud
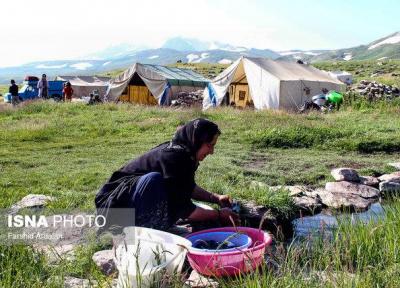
x: 81, y: 65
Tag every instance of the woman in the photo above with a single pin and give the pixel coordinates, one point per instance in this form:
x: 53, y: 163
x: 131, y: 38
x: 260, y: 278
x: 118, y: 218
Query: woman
x: 160, y: 184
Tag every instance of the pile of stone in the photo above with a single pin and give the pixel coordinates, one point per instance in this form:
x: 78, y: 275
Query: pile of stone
x: 188, y: 99
x: 374, y: 90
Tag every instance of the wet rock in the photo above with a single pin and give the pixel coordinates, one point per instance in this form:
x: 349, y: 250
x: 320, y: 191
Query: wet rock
x: 31, y: 201
x: 344, y: 201
x: 369, y: 181
x: 344, y: 187
x: 345, y: 174
x: 389, y: 187
x: 105, y: 261
x: 393, y: 177
x: 196, y: 280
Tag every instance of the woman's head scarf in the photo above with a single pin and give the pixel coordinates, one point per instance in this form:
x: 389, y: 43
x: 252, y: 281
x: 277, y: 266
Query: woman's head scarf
x: 196, y: 132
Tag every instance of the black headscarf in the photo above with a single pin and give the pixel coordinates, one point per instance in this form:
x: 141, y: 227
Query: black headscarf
x: 196, y: 132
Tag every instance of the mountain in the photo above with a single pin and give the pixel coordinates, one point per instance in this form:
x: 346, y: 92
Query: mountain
x: 189, y: 50
x: 387, y: 47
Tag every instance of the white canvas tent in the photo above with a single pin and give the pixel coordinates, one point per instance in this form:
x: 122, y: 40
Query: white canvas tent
x: 84, y: 85
x: 342, y: 76
x: 267, y: 84
x: 162, y: 83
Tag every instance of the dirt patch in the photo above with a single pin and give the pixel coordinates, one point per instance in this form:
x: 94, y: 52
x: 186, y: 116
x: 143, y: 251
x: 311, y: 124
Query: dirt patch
x: 255, y: 161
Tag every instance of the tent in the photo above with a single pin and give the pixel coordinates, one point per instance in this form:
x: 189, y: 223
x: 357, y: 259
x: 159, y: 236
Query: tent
x: 267, y: 84
x: 342, y: 76
x: 153, y: 84
x: 84, y: 85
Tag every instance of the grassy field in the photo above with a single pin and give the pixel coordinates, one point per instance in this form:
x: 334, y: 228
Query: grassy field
x: 69, y: 150
x: 384, y: 71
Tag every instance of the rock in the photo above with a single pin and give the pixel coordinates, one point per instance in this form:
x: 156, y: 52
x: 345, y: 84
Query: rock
x: 393, y: 177
x: 345, y: 201
x: 72, y: 282
x: 199, y: 281
x: 31, y: 201
x: 293, y: 190
x: 105, y: 261
x: 395, y: 165
x: 389, y: 187
x: 308, y: 203
x: 369, y: 181
x: 345, y: 174
x: 344, y: 187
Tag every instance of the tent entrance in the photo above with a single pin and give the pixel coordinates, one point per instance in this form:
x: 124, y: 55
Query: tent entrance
x: 239, y: 94
x: 137, y: 92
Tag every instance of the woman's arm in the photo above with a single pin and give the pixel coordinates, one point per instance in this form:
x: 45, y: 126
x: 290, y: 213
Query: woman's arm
x: 225, y: 216
x: 201, y: 194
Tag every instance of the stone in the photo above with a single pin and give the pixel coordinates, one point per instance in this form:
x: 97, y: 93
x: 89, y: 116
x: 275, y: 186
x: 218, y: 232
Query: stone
x: 345, y: 174
x: 293, y: 190
x: 31, y: 201
x: 369, y: 181
x: 345, y: 187
x: 389, y: 187
x: 105, y: 261
x: 344, y: 201
x: 196, y: 280
x: 308, y: 203
x: 392, y: 177
x: 72, y: 282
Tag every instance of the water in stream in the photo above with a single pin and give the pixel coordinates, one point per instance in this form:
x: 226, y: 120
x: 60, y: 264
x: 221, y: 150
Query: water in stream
x: 324, y: 223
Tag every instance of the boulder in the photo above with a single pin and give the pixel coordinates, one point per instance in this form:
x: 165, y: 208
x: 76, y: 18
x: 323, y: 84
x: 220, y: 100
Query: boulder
x: 308, y: 203
x: 345, y: 174
x: 31, y: 201
x: 389, y: 187
x: 105, y: 261
x: 392, y: 177
x: 369, y: 181
x: 344, y: 187
x: 345, y: 201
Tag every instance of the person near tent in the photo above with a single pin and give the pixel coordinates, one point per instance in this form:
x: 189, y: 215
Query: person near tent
x: 13, y: 90
x: 43, y: 87
x: 160, y: 184
x: 334, y: 100
x: 67, y: 92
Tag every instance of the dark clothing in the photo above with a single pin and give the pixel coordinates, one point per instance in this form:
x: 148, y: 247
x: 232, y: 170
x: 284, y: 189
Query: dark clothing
x: 177, y: 168
x: 151, y: 203
x: 175, y: 164
x: 13, y: 90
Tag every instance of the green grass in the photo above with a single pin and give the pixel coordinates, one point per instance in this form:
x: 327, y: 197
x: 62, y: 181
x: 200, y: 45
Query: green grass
x: 69, y: 150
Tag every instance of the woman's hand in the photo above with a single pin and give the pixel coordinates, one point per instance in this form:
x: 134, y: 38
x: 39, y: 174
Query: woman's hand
x: 228, y: 217
x: 224, y: 201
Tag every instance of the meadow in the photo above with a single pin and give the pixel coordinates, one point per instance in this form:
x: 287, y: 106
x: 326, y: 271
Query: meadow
x: 69, y: 150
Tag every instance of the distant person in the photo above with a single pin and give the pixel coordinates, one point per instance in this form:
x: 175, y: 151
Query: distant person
x: 43, y: 87
x: 67, y: 92
x: 13, y: 90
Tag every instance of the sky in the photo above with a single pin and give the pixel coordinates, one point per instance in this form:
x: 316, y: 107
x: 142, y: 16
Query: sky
x: 59, y: 30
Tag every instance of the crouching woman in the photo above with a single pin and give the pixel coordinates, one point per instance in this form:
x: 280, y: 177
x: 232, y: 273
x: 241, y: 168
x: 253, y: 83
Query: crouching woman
x: 160, y: 184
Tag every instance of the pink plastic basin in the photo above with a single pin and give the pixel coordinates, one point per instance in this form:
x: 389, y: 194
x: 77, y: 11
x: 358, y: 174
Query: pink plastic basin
x: 231, y: 263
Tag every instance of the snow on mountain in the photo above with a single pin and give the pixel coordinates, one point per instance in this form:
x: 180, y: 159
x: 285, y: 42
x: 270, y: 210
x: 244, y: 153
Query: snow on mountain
x: 106, y: 63
x: 225, y: 61
x: 286, y: 53
x: 81, y: 65
x: 391, y: 40
x: 153, y: 57
x: 347, y: 56
x: 44, y: 66
x: 192, y: 57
